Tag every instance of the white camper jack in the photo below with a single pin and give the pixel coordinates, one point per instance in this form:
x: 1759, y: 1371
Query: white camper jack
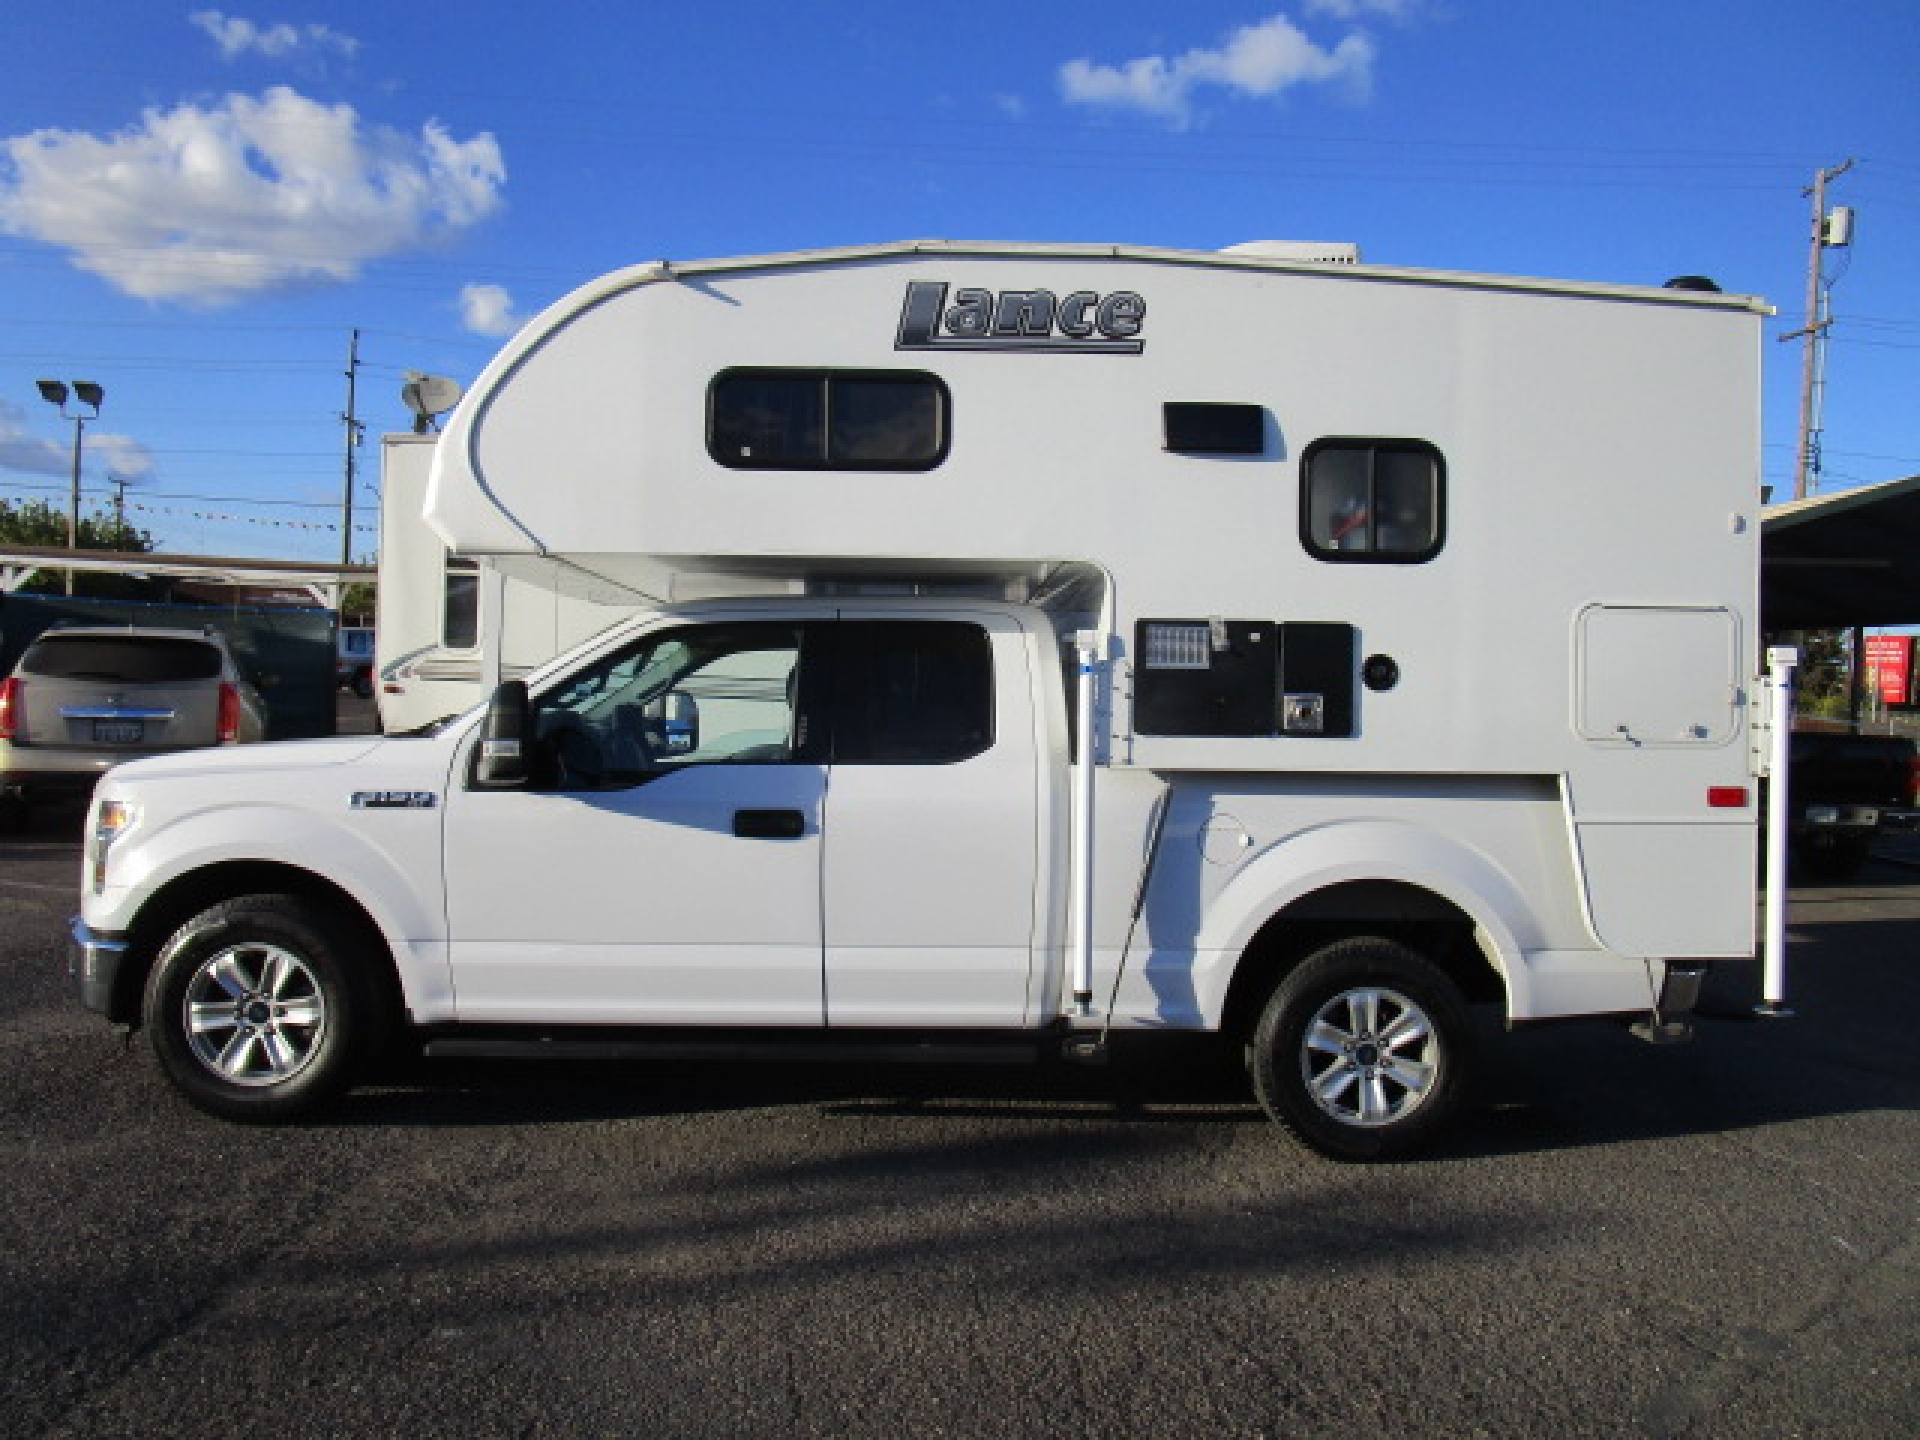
x: 1029, y: 644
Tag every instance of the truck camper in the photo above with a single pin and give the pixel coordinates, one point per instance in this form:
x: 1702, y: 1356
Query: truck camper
x: 1029, y: 646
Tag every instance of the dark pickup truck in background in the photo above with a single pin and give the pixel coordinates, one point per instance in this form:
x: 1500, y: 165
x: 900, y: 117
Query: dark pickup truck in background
x: 1844, y: 791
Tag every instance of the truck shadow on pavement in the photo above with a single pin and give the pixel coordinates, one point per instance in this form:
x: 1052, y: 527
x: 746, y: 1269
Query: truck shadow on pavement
x: 1555, y: 1087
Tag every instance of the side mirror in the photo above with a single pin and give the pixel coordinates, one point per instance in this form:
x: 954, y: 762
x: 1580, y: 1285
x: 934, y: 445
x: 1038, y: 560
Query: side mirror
x: 501, y: 760
x: 673, y: 724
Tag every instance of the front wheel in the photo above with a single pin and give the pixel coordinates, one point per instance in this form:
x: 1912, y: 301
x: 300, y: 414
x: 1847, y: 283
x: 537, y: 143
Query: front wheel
x: 255, y: 1010
x: 1362, y: 1051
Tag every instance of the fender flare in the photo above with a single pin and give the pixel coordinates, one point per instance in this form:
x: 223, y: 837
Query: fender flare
x: 1374, y: 850
x: 407, y: 914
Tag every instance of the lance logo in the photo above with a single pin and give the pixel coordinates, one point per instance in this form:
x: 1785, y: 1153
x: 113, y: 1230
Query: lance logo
x: 1083, y: 323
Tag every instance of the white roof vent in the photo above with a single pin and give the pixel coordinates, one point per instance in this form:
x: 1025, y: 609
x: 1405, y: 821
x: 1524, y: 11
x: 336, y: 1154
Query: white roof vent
x: 1301, y: 252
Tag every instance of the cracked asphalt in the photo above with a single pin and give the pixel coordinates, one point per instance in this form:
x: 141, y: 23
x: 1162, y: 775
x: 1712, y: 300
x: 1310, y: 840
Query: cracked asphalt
x: 1714, y: 1239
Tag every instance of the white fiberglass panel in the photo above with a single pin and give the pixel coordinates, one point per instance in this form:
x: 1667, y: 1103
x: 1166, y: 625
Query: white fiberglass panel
x: 929, y: 874
x: 639, y: 905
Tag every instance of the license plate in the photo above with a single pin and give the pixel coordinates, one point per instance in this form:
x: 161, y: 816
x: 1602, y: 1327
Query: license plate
x: 118, y: 732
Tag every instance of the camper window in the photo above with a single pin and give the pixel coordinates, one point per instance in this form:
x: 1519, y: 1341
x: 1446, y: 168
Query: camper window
x: 460, y: 620
x: 1372, y: 500
x: 827, y: 420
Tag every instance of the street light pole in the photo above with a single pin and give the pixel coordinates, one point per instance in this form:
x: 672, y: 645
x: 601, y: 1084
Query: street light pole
x: 85, y: 392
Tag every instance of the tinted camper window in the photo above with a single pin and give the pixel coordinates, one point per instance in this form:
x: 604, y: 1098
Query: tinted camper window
x: 460, y: 624
x: 827, y: 420
x: 1372, y: 500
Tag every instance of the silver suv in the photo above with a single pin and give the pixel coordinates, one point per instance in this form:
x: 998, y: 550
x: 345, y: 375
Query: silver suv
x: 82, y: 699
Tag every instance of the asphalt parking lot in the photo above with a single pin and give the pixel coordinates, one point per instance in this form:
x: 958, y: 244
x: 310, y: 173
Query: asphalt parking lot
x: 1714, y: 1239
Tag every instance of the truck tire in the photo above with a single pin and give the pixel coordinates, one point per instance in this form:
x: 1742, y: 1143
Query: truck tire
x: 1362, y: 1051
x: 256, y: 1012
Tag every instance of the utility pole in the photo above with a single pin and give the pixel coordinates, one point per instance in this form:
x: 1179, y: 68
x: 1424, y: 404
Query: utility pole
x: 353, y: 443
x: 1829, y: 231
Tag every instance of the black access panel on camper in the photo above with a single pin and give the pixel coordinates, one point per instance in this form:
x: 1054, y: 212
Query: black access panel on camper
x: 1205, y: 677
x: 1317, y: 671
x: 1244, y: 678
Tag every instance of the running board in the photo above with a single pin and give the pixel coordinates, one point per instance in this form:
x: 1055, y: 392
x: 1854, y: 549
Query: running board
x: 881, y: 1047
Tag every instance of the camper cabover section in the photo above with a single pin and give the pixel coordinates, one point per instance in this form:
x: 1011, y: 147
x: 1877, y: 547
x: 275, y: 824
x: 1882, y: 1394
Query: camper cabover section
x: 1454, y: 471
x: 1030, y: 645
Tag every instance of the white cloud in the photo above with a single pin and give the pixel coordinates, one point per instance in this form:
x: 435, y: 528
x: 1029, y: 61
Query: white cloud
x: 488, y: 310
x: 1361, y: 9
x: 206, y: 204
x: 21, y: 451
x: 120, y: 454
x: 1256, y: 61
x: 237, y: 37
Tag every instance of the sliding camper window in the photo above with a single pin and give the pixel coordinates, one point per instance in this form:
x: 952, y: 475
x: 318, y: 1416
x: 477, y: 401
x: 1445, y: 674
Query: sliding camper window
x: 1379, y: 501
x: 827, y: 420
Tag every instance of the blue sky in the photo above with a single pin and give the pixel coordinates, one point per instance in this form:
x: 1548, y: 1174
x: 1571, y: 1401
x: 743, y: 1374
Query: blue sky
x: 198, y: 205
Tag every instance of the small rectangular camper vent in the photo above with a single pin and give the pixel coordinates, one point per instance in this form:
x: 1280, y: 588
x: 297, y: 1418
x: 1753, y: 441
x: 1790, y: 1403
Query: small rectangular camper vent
x: 1304, y: 252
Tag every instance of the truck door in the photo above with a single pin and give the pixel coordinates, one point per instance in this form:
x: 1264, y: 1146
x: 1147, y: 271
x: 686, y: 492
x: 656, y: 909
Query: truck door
x: 664, y: 865
x: 931, y: 824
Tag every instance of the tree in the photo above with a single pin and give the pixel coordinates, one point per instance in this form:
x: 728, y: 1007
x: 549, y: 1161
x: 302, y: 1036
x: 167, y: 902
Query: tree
x: 35, y: 522
x: 356, y: 604
x: 1825, y: 670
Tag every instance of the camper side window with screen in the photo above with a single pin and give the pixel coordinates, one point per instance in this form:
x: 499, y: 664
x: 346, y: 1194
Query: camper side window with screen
x: 827, y: 420
x: 1372, y: 500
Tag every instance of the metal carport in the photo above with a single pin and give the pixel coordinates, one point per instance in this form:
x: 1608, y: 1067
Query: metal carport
x: 1842, y: 561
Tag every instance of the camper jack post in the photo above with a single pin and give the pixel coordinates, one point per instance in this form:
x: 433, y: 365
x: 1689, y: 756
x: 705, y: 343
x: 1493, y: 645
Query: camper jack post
x: 1086, y: 644
x: 1781, y: 660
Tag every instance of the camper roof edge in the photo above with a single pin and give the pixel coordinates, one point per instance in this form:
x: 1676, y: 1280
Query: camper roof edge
x: 1229, y: 259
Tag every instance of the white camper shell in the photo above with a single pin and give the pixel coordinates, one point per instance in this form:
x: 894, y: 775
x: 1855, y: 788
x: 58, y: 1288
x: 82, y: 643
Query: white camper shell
x: 435, y: 605
x: 1293, y: 650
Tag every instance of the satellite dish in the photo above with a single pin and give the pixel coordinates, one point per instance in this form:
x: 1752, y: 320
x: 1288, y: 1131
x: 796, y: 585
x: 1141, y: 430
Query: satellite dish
x: 429, y: 395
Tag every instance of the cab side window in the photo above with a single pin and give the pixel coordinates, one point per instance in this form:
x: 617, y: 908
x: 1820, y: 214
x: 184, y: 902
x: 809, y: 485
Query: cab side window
x: 911, y: 692
x: 703, y: 695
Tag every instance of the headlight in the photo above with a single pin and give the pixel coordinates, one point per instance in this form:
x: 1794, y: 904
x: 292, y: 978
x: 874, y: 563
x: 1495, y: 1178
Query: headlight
x: 111, y: 820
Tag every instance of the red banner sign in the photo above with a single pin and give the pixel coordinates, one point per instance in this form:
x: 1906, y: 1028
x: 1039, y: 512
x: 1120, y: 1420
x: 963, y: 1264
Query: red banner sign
x: 1890, y: 667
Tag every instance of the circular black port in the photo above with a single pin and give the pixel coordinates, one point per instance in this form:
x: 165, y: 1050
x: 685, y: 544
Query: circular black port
x: 1381, y: 672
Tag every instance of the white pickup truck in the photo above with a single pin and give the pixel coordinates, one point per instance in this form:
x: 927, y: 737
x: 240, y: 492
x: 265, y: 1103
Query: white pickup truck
x: 748, y: 823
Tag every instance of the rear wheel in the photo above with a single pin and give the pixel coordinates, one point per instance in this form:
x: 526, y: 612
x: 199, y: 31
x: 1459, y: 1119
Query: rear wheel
x: 1362, y: 1051
x: 257, y: 1011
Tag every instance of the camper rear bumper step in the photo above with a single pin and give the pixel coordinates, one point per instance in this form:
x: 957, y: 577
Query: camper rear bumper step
x: 876, y: 1047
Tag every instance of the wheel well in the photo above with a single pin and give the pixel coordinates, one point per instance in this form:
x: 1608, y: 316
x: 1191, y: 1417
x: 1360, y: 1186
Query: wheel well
x: 186, y: 896
x: 1424, y: 922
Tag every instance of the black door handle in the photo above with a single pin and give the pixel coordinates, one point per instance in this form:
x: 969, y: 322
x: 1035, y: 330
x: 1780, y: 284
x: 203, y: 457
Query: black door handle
x: 769, y: 824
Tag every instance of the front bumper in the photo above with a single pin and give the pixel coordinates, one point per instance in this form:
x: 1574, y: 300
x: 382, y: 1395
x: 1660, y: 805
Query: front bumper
x: 93, y: 965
